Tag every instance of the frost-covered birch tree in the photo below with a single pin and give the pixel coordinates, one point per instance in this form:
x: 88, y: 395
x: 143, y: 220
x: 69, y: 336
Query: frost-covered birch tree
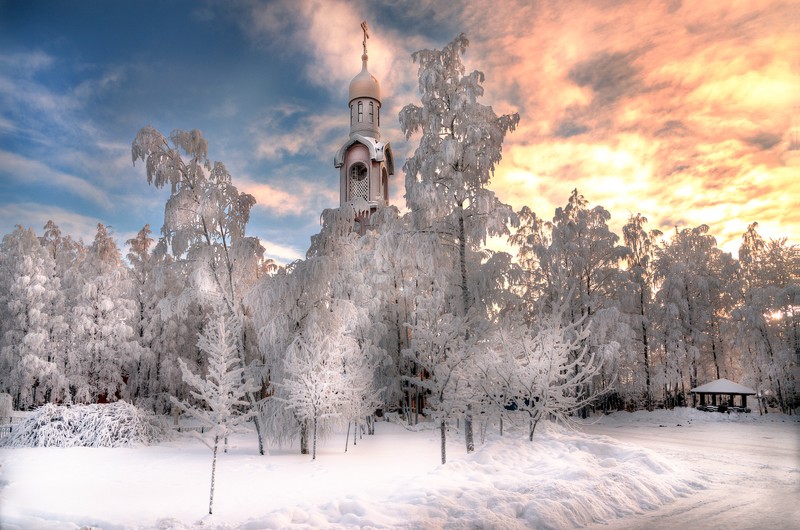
x: 690, y: 274
x: 539, y: 369
x: 205, y: 220
x: 327, y: 382
x: 299, y: 309
x: 448, y: 177
x: 641, y: 246
x: 767, y: 318
x: 442, y: 352
x: 144, y: 379
x: 220, y: 394
x: 577, y: 255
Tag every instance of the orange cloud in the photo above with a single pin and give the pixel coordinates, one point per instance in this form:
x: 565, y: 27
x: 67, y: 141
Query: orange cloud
x: 678, y: 110
x: 303, y: 199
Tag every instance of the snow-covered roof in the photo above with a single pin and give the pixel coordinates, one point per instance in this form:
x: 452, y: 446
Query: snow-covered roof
x: 723, y: 386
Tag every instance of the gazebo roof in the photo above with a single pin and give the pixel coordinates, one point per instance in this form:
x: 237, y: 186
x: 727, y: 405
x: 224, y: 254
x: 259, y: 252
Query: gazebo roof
x: 723, y: 386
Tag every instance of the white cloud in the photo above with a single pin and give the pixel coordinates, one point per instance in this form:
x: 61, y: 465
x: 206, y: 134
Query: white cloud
x: 294, y: 197
x: 30, y: 61
x: 35, y: 215
x: 282, y: 254
x: 310, y: 135
x: 25, y: 170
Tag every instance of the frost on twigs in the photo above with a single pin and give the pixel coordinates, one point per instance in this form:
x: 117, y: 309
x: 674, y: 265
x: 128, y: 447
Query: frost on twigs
x: 118, y: 424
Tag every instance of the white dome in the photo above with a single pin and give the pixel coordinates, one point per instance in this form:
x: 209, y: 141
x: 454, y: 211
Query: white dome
x: 364, y: 85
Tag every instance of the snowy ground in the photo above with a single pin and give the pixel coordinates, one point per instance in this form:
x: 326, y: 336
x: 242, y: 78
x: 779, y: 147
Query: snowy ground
x: 749, y: 463
x: 624, y: 471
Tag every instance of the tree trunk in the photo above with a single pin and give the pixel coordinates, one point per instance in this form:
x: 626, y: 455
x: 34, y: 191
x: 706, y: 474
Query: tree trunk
x: 468, y: 435
x: 304, y: 437
x: 370, y: 425
x: 418, y: 403
x: 314, y: 441
x: 646, y: 347
x: 213, y: 473
x: 462, y: 258
x: 443, y: 431
x: 259, y: 426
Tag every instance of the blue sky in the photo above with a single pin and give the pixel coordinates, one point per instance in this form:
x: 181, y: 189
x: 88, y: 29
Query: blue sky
x: 678, y: 111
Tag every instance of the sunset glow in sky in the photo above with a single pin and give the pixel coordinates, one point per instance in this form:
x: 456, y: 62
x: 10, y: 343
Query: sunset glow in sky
x: 682, y: 111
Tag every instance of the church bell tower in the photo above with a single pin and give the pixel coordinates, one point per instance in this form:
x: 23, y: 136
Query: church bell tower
x: 365, y: 164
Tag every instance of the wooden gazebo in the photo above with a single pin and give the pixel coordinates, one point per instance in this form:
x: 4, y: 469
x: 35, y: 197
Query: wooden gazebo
x: 723, y: 388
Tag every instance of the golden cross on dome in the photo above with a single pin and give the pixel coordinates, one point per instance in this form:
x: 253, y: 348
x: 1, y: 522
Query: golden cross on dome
x: 366, y: 35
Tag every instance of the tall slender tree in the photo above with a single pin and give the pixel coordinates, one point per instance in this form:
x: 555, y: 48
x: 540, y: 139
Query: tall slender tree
x: 641, y: 247
x: 689, y: 274
x: 222, y: 391
x: 767, y: 317
x: 448, y: 177
x: 204, y: 224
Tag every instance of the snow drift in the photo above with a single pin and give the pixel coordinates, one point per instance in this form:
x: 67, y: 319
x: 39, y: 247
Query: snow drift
x: 117, y: 424
x: 563, y: 479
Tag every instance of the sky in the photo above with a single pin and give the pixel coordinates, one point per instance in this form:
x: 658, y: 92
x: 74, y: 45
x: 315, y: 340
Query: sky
x: 681, y: 111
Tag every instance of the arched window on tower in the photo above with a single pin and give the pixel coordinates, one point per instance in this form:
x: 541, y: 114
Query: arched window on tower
x: 385, y: 185
x: 371, y: 112
x: 360, y: 111
x: 358, y: 183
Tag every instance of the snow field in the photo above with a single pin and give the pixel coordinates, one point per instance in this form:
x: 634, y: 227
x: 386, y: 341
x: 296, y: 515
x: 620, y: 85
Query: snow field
x: 749, y: 464
x: 563, y: 479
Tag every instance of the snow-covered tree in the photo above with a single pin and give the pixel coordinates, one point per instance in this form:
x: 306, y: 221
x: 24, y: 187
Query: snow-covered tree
x: 641, y: 249
x: 297, y: 312
x: 326, y: 381
x: 30, y: 347
x: 541, y: 369
x: 103, y: 344
x: 691, y: 273
x: 143, y: 379
x: 767, y: 319
x: 220, y: 394
x: 204, y: 225
x: 577, y: 255
x: 443, y: 354
x: 448, y: 177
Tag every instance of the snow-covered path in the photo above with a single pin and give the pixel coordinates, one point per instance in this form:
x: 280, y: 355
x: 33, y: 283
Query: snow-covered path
x: 751, y: 467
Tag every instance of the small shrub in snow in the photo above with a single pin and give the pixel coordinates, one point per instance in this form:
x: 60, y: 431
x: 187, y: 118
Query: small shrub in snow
x: 117, y: 424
